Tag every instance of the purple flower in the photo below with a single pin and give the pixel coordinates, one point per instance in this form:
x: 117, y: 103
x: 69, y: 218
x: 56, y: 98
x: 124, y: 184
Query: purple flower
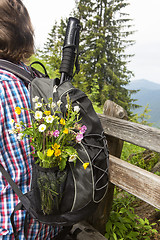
x: 79, y: 137
x: 56, y: 133
x: 83, y: 129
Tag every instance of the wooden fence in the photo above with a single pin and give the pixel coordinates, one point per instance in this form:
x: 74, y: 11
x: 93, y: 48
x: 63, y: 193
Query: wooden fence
x: 141, y: 183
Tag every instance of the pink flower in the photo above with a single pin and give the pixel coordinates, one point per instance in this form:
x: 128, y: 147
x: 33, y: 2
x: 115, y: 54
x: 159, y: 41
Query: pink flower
x: 79, y: 137
x: 83, y: 129
x: 56, y: 133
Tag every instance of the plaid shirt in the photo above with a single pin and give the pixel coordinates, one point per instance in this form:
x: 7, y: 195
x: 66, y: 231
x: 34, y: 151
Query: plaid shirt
x: 16, y: 159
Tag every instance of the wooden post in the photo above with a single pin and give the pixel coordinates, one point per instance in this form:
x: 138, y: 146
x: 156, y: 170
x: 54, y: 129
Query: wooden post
x: 99, y: 219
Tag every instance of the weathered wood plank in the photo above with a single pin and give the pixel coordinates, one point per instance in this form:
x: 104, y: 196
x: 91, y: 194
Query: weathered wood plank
x: 87, y: 232
x: 139, y: 182
x: 138, y: 134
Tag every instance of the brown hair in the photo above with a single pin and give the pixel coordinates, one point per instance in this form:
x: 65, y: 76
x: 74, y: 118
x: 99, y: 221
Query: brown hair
x: 16, y: 32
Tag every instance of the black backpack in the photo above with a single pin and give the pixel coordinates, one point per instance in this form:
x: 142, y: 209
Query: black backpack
x: 80, y: 191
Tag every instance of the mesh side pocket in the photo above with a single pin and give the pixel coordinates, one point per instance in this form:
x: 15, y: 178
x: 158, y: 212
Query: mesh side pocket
x: 95, y: 145
x: 48, y: 185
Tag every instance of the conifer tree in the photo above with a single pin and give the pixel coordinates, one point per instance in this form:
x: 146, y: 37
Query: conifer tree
x: 104, y: 38
x: 52, y: 52
x: 105, y: 29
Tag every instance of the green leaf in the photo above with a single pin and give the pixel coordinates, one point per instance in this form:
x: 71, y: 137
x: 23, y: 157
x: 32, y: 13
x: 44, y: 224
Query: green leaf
x: 132, y: 235
x: 123, y: 210
x: 146, y: 221
x: 153, y: 224
x: 62, y: 164
x: 106, y: 235
x: 121, y: 226
x: 108, y: 226
x: 141, y: 221
x: 147, y: 238
x: 131, y: 215
x: 70, y: 150
x: 154, y: 231
x: 115, y: 236
x: 40, y: 155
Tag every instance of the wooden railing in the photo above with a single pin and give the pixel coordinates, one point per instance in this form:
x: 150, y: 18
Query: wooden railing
x: 141, y: 183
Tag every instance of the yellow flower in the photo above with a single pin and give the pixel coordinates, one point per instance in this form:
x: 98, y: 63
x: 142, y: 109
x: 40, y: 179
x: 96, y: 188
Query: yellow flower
x: 47, y: 113
x: 56, y: 146
x: 66, y: 131
x: 62, y: 121
x: 57, y: 152
x: 49, y: 152
x: 18, y: 110
x: 85, y: 165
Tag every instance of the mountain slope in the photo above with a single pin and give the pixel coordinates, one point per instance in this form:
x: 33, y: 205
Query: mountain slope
x: 143, y: 84
x: 149, y: 94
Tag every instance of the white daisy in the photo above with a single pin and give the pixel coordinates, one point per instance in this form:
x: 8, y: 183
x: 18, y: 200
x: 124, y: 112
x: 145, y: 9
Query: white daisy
x: 76, y: 109
x: 35, y: 99
x: 38, y: 105
x: 53, y: 105
x: 18, y: 126
x: 42, y: 128
x: 72, y: 158
x: 38, y: 115
x: 12, y: 131
x: 49, y: 119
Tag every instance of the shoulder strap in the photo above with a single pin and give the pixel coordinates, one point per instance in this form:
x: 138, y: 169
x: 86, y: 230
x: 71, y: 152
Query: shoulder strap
x: 24, y: 201
x: 13, y: 68
x: 36, y: 71
x: 23, y: 198
x: 10, y: 181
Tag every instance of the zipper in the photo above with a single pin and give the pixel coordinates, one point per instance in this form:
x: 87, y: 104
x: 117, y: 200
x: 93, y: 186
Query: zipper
x: 81, y: 106
x: 65, y: 92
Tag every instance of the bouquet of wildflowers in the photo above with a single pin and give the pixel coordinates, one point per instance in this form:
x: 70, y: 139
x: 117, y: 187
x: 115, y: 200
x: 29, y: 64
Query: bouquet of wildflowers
x: 53, y: 136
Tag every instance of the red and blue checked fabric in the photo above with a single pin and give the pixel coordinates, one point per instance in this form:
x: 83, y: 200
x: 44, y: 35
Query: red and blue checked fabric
x: 16, y: 159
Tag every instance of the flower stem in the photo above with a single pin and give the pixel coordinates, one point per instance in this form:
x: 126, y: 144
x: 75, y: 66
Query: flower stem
x: 43, y: 141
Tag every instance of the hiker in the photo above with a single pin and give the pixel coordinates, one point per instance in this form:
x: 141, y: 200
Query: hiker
x: 16, y: 45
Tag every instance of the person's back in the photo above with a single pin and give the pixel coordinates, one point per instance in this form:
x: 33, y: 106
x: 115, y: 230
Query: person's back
x: 16, y: 45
